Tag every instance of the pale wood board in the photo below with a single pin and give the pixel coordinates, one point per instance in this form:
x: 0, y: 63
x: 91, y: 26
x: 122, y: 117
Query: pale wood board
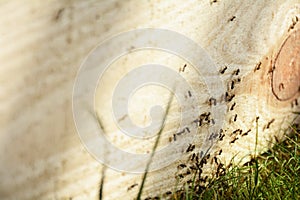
x: 43, y: 44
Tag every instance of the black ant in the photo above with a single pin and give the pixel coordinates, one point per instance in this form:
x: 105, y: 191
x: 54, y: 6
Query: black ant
x: 232, y: 18
x: 222, y: 71
x: 233, y: 105
x: 257, y: 67
x: 235, y: 117
x: 270, y: 122
x: 246, y: 133
x: 132, y: 186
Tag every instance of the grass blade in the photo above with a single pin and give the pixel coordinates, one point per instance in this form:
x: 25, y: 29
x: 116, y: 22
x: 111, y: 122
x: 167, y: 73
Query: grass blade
x: 154, y: 148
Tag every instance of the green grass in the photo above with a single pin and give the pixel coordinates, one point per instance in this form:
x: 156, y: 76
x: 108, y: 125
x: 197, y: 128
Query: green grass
x: 272, y: 175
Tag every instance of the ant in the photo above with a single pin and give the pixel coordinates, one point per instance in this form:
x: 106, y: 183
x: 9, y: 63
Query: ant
x: 257, y: 67
x: 222, y: 71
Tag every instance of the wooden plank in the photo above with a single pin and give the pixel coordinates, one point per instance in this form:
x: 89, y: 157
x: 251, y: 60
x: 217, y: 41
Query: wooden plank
x: 43, y: 45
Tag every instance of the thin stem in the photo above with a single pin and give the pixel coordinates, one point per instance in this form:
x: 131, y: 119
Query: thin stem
x: 154, y: 148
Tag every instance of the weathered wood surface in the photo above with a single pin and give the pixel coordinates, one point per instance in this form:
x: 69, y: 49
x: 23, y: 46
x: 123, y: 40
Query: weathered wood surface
x: 43, y: 44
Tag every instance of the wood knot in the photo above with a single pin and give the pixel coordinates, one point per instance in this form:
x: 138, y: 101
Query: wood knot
x: 286, y: 68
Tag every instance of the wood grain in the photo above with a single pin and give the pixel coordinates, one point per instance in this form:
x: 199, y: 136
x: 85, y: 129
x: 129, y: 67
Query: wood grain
x: 43, y: 44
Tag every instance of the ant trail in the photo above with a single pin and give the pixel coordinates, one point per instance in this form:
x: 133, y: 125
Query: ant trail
x: 155, y: 146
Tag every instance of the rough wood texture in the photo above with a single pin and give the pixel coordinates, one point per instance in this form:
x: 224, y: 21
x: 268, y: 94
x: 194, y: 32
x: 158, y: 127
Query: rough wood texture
x: 43, y: 44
